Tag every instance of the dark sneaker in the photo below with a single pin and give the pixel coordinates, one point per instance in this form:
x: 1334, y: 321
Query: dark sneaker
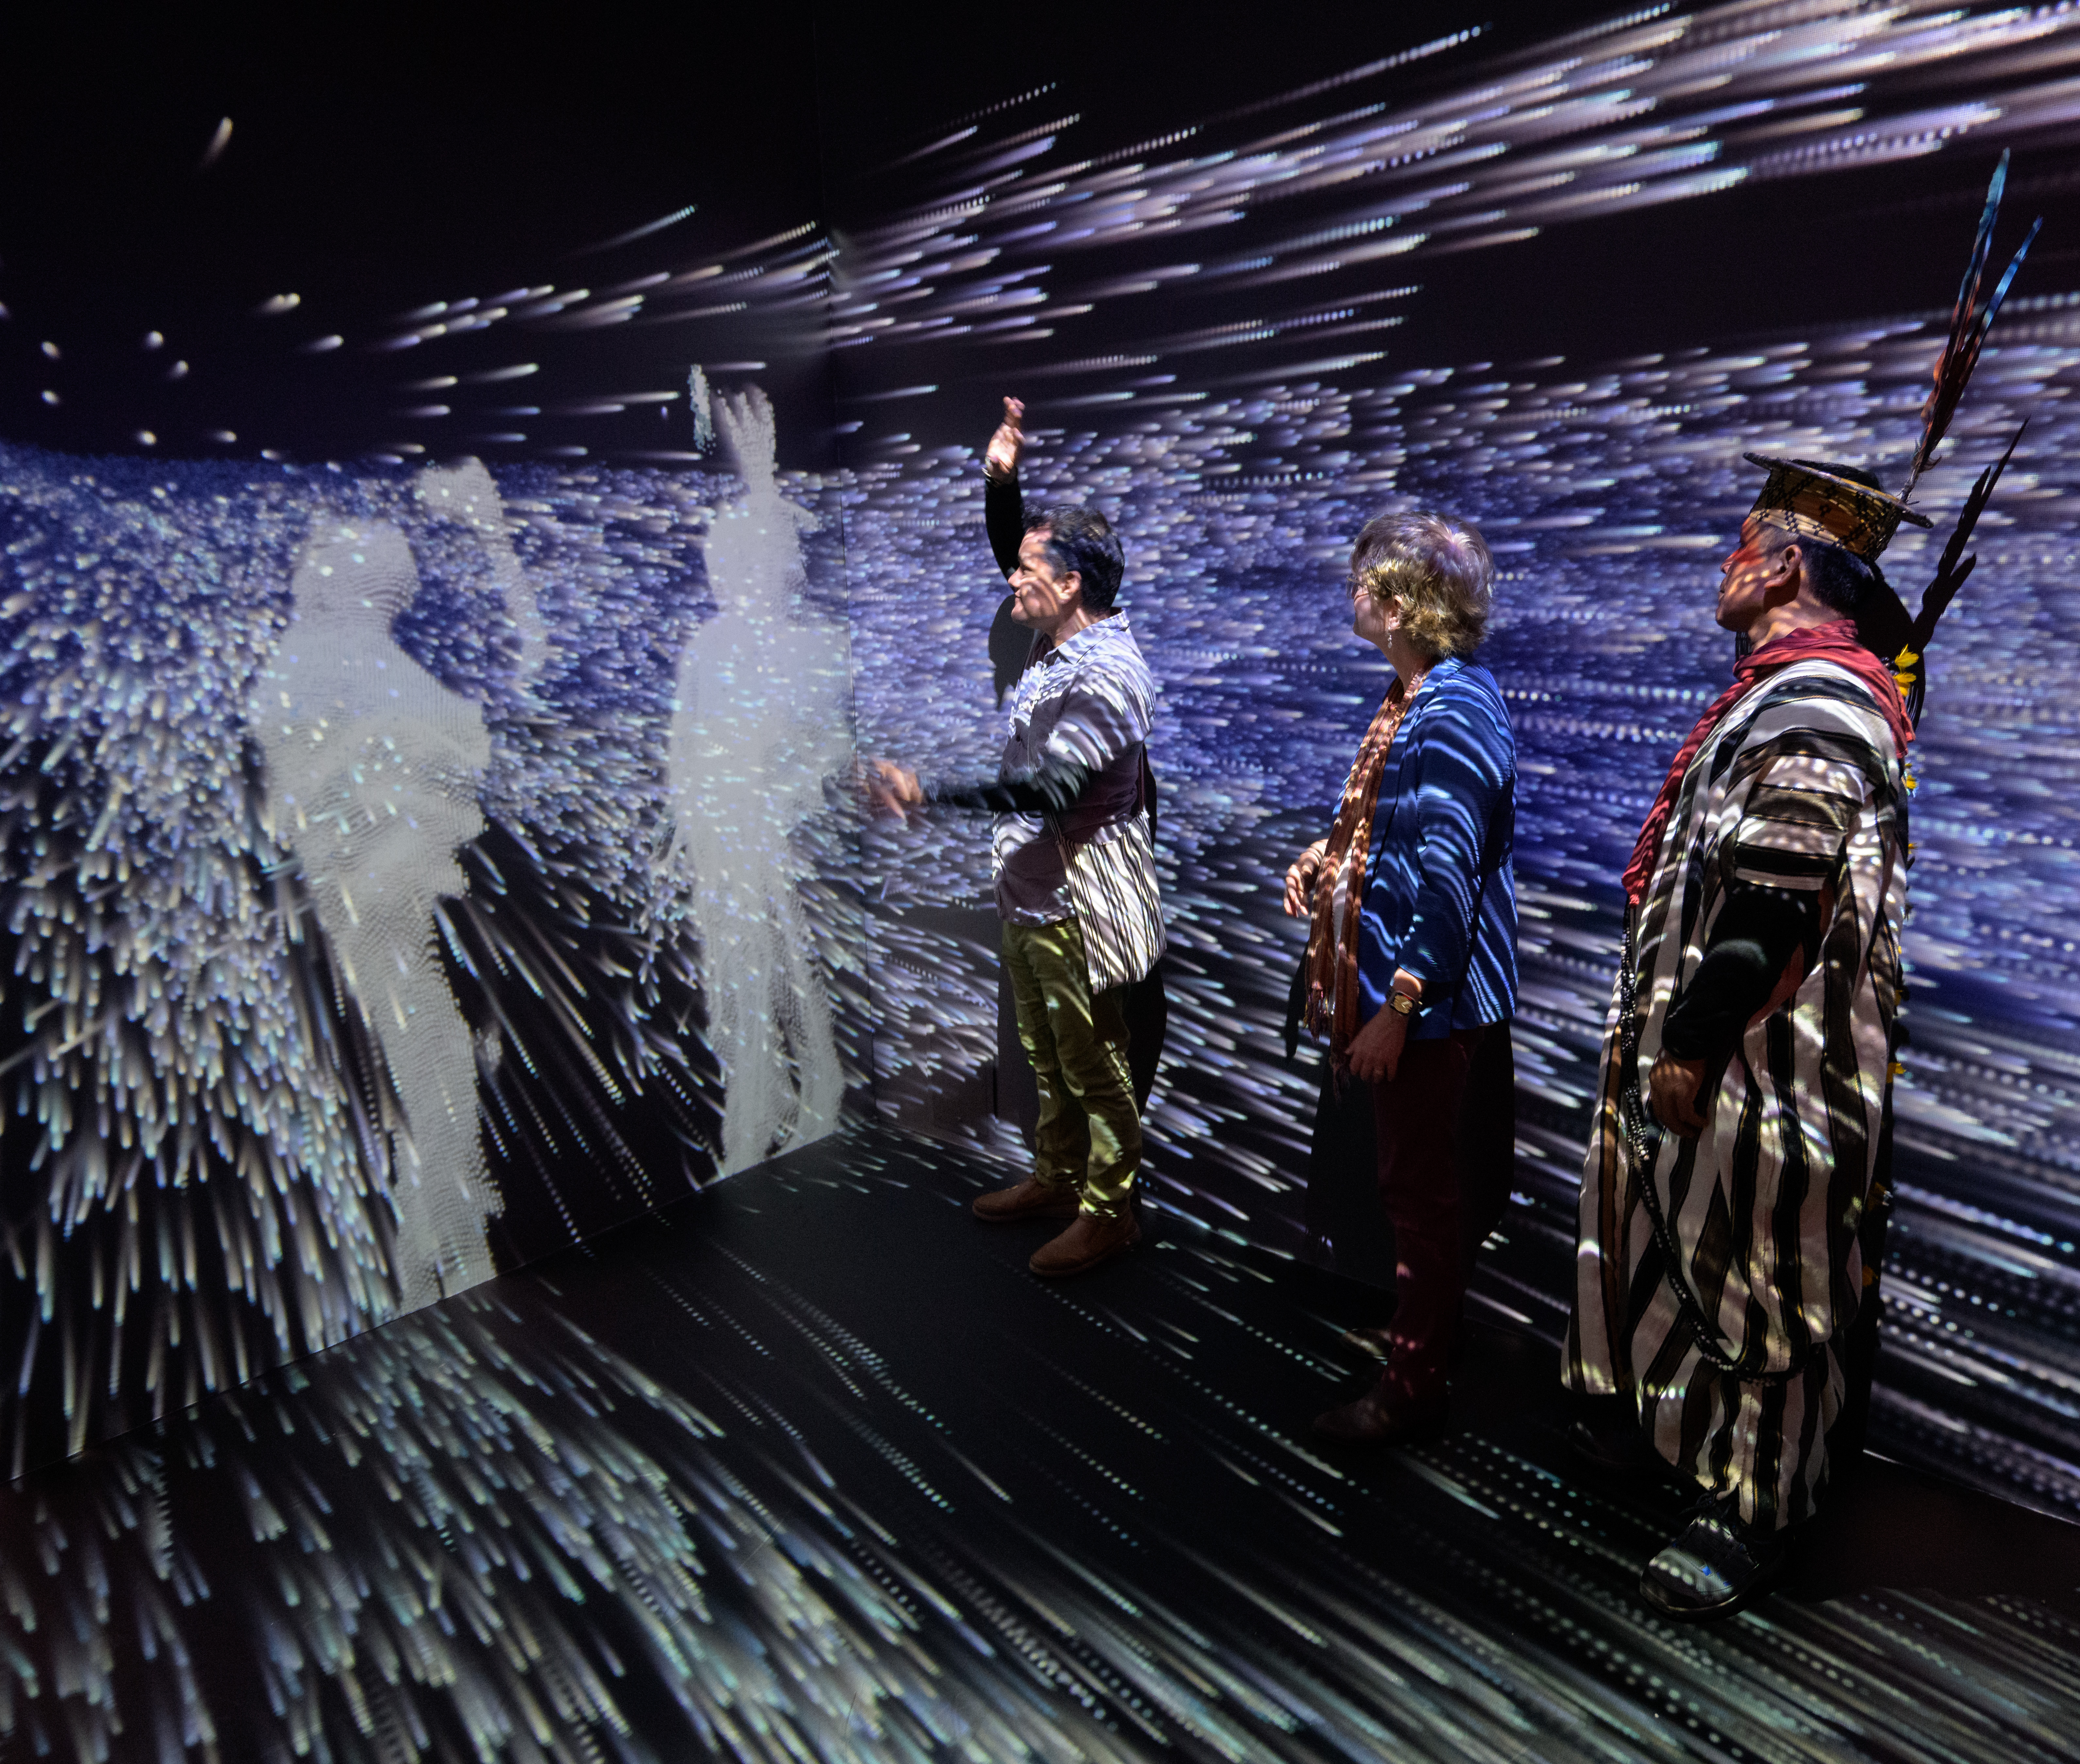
x: 1027, y: 1199
x: 1717, y: 1567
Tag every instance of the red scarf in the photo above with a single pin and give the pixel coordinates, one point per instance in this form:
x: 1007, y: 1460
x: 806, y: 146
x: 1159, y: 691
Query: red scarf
x: 1836, y: 642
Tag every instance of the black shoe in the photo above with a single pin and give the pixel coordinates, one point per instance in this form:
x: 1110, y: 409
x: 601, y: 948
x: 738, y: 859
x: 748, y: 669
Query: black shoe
x: 1718, y: 1566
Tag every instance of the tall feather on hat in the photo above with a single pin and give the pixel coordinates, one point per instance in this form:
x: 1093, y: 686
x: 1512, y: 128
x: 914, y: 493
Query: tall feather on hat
x: 1970, y: 322
x: 1844, y: 506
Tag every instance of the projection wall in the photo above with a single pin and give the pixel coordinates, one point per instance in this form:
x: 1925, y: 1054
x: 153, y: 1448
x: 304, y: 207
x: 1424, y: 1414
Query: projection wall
x: 427, y: 709
x: 395, y: 867
x: 426, y: 702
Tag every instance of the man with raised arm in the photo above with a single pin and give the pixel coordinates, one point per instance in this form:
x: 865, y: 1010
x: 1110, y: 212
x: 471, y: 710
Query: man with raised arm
x: 1073, y: 857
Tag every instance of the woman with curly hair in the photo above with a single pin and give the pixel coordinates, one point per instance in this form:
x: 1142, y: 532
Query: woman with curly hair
x: 1412, y: 960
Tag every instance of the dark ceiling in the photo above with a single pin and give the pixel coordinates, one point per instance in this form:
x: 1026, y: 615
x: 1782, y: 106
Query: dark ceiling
x: 380, y: 162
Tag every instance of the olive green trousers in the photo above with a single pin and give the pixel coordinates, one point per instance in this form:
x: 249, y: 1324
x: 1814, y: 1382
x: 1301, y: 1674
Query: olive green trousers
x: 1089, y: 1135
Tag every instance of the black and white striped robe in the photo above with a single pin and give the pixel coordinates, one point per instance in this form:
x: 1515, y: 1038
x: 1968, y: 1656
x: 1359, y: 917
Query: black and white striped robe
x: 1721, y: 1296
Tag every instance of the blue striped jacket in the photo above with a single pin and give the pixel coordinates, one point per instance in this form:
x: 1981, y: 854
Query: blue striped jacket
x: 1441, y: 851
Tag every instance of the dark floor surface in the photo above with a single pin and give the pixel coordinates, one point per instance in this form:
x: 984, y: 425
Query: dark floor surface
x: 810, y: 1467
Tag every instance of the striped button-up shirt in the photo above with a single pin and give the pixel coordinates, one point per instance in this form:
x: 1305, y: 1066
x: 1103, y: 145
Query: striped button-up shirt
x: 1081, y: 707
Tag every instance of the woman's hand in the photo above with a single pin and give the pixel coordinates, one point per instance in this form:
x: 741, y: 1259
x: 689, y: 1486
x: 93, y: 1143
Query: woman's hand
x: 1375, y: 1053
x: 1673, y: 1087
x: 1001, y: 460
x: 1300, y: 878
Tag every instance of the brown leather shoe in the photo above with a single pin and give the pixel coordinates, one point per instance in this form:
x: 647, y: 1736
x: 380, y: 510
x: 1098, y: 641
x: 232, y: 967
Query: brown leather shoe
x: 1087, y: 1242
x: 1027, y: 1199
x: 1381, y: 1417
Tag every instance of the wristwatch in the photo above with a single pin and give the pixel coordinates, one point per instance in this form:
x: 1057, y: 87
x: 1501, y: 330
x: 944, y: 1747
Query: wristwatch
x: 1404, y: 1003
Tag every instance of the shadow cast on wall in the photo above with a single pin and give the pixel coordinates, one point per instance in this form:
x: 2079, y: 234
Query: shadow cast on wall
x: 356, y: 950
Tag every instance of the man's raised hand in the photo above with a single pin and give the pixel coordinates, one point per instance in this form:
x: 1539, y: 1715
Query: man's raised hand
x: 1001, y: 460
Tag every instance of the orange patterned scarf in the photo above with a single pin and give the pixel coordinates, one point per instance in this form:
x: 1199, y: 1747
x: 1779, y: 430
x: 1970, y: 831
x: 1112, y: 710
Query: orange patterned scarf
x: 1332, y: 962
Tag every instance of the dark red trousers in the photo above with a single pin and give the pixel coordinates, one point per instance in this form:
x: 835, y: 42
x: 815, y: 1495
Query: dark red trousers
x: 1417, y: 1115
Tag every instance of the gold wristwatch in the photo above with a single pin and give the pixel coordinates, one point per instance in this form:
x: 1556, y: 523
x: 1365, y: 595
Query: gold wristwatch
x: 1402, y: 1003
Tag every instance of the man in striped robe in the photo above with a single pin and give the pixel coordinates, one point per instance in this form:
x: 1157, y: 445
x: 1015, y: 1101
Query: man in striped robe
x: 1748, y: 1057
